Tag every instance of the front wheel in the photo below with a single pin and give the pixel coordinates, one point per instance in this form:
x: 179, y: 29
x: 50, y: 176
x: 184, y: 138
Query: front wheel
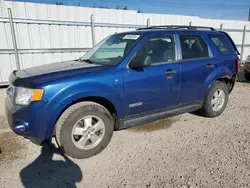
x: 84, y: 129
x: 216, y: 100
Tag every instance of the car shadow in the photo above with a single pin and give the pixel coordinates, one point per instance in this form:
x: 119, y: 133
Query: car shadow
x: 241, y: 78
x: 154, y: 126
x: 46, y: 172
x: 244, y: 81
x: 196, y: 113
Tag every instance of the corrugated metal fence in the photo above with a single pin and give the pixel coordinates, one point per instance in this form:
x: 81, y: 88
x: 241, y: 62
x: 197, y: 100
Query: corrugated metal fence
x: 50, y: 33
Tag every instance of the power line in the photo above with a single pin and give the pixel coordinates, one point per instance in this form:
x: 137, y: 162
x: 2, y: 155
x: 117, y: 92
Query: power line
x: 177, y: 5
x: 185, y: 3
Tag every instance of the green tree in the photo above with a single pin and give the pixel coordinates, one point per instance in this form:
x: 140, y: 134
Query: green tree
x: 106, y: 7
x: 59, y: 3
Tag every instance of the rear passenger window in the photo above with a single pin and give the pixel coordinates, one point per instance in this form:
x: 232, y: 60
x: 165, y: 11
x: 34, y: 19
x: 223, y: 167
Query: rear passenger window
x: 193, y: 47
x: 222, y: 44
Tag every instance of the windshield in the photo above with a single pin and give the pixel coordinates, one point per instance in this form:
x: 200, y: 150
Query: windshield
x: 111, y: 50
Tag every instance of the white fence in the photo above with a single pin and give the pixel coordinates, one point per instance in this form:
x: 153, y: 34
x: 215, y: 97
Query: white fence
x: 50, y: 33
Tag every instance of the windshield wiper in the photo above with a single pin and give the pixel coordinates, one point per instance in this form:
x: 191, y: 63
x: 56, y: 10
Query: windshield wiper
x: 86, y: 60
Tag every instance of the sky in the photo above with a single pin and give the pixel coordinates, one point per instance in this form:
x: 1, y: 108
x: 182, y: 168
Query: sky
x: 217, y: 9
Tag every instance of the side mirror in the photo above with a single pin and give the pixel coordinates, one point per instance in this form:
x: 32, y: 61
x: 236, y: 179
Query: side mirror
x: 140, y: 61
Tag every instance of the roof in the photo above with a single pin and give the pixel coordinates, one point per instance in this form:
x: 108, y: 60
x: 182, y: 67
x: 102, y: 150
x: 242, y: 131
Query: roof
x: 186, y: 27
x: 174, y: 29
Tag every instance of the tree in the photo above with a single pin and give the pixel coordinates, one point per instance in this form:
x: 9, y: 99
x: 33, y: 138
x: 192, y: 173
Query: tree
x: 103, y: 7
x: 122, y: 8
x: 106, y: 7
x: 59, y: 3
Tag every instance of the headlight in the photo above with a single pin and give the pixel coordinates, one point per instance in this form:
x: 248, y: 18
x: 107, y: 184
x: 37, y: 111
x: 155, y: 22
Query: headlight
x: 25, y: 95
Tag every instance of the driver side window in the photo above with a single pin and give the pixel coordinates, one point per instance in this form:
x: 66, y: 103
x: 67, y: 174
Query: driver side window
x: 159, y: 49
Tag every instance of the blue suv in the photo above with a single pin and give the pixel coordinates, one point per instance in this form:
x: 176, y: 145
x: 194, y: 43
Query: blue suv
x: 127, y: 79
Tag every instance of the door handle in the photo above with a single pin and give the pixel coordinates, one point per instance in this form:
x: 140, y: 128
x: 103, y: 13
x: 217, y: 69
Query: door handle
x: 168, y: 72
x: 210, y: 66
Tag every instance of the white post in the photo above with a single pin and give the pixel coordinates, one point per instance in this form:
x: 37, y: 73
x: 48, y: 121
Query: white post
x: 221, y: 27
x: 243, y: 44
x: 93, y: 29
x: 13, y: 35
x: 148, y: 22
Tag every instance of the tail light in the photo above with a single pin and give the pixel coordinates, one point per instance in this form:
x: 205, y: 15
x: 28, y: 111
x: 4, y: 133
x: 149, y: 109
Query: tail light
x: 238, y: 65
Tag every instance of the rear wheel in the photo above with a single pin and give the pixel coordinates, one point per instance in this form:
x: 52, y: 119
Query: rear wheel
x: 84, y: 129
x: 216, y: 100
x: 247, y: 75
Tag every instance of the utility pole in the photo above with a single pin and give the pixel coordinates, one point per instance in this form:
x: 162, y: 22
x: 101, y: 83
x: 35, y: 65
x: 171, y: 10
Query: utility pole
x: 249, y: 15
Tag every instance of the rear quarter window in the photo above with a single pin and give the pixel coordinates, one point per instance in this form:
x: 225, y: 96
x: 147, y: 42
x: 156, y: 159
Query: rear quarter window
x: 222, y: 44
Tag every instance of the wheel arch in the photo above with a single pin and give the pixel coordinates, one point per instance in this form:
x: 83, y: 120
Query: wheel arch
x: 221, y: 74
x: 97, y: 99
x: 228, y: 80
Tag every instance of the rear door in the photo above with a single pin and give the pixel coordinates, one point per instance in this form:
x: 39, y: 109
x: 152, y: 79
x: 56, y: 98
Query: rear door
x: 197, y: 65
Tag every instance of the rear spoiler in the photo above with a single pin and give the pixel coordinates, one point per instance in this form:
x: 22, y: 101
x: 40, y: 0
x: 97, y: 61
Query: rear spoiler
x: 232, y: 42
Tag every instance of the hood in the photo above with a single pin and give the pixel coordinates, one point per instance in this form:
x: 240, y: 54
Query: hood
x: 54, y: 68
x: 51, y: 72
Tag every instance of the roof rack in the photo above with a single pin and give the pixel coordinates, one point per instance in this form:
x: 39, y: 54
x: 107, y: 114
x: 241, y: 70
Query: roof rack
x: 188, y: 27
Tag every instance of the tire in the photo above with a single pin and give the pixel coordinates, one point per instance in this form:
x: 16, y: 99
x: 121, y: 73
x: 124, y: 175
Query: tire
x: 247, y: 75
x: 208, y: 109
x: 70, y: 121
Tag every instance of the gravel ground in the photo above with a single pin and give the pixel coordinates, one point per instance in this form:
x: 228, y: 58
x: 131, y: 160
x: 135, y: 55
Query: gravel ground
x: 183, y: 151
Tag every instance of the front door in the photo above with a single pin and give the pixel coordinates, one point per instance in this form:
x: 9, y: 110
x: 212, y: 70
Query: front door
x: 155, y: 87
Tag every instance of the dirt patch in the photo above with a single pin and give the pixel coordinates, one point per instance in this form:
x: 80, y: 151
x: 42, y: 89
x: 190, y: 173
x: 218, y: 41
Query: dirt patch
x: 245, y: 84
x: 157, y: 125
x: 10, y: 147
x: 3, y: 122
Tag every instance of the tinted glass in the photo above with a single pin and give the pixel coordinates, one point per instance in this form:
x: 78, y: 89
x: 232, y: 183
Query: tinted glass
x: 160, y: 49
x: 223, y: 45
x: 193, y: 47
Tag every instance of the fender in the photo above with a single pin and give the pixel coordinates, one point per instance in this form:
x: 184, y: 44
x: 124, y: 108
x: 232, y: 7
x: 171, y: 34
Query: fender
x: 78, y: 91
x: 66, y: 93
x: 220, y: 72
x: 225, y: 71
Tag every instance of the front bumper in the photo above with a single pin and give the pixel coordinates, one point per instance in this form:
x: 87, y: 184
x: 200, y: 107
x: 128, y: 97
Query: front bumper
x: 29, y: 121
